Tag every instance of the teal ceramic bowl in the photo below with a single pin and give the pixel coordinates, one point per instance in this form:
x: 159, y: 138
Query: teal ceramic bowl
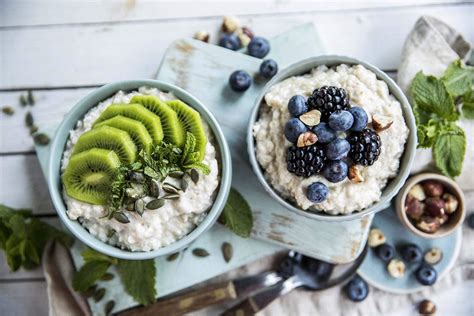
x: 393, y: 186
x: 59, y: 142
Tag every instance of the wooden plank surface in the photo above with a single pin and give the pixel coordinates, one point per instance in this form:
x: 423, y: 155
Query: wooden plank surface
x: 24, y: 298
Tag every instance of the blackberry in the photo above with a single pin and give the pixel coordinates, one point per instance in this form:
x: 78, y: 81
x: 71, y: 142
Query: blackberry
x: 365, y: 147
x: 305, y: 161
x: 328, y: 100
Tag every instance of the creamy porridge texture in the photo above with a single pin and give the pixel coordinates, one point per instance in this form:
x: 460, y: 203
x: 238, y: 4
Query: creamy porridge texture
x: 155, y: 228
x: 365, y: 91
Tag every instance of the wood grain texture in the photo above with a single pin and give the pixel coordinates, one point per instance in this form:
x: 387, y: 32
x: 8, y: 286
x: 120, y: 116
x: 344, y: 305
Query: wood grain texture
x: 24, y: 298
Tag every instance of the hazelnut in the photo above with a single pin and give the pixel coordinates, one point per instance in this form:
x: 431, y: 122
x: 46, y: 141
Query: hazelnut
x: 428, y: 224
x: 442, y: 219
x: 451, y: 203
x: 244, y: 39
x: 376, y: 237
x: 202, y: 36
x: 427, y: 307
x: 396, y: 268
x: 435, y: 206
x: 247, y: 31
x: 417, y: 192
x: 307, y: 139
x: 354, y: 174
x: 414, y: 208
x: 380, y: 122
x: 433, y: 256
x: 311, y: 118
x: 230, y: 24
x: 433, y: 188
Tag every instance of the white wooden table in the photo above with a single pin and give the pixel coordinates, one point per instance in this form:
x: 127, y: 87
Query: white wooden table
x: 64, y: 49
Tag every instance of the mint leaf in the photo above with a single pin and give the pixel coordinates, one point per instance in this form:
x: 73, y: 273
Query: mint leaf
x: 138, y: 278
x: 91, y: 255
x: 430, y: 95
x: 237, y: 215
x: 457, y: 79
x: 449, y: 150
x: 467, y: 108
x: 88, y: 274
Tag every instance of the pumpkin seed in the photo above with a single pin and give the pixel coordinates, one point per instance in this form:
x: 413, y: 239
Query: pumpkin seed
x: 172, y: 257
x: 199, y: 252
x: 227, y: 251
x: 107, y: 276
x: 171, y: 196
x: 184, y: 184
x: 176, y: 174
x: 121, y: 217
x: 23, y: 100
x: 154, y: 189
x: 169, y: 188
x: 139, y: 206
x: 8, y: 110
x: 30, y: 98
x: 90, y: 291
x: 109, y: 307
x: 194, y: 175
x: 154, y: 204
x: 110, y: 233
x: 33, y: 129
x: 137, y: 177
x: 41, y: 139
x: 131, y: 206
x: 29, y: 119
x: 99, y: 294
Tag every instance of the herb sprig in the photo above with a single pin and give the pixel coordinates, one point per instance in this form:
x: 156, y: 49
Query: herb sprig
x: 438, y: 105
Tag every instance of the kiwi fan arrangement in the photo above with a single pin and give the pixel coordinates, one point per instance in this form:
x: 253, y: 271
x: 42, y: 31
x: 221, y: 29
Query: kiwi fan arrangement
x: 329, y: 137
x: 130, y: 152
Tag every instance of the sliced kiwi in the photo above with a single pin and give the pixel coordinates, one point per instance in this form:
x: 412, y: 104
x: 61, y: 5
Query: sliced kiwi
x: 134, y: 128
x: 191, y: 121
x: 173, y: 130
x: 110, y: 138
x: 137, y: 112
x: 88, y: 175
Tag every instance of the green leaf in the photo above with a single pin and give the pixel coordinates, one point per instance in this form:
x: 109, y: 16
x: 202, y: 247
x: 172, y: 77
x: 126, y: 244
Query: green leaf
x: 88, y: 274
x: 449, y: 150
x: 189, y: 146
x: 91, y: 255
x: 151, y: 173
x: 468, y: 105
x: 237, y: 215
x: 200, y: 166
x: 430, y: 95
x: 138, y: 278
x: 457, y: 79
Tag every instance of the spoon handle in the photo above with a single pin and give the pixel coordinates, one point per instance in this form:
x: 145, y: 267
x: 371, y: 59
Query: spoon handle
x: 257, y: 302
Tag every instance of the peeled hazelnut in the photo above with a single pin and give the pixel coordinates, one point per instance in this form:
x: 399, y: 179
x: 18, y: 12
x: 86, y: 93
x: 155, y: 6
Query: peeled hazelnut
x: 244, y: 39
x: 428, y: 224
x: 354, y: 174
x: 414, y: 208
x: 451, y: 203
x: 427, y: 307
x: 396, y: 268
x: 433, y: 256
x: 246, y: 30
x: 202, y: 36
x: 435, y: 206
x: 230, y: 24
x: 306, y: 139
x: 442, y: 219
x: 376, y: 237
x: 417, y: 192
x: 380, y: 122
x: 311, y: 118
x: 433, y: 188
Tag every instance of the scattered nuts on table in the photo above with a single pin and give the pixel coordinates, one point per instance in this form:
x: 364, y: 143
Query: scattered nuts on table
x: 244, y: 39
x: 202, y: 36
x: 396, y: 268
x: 376, y: 237
x: 230, y: 24
x: 433, y: 256
x: 427, y: 307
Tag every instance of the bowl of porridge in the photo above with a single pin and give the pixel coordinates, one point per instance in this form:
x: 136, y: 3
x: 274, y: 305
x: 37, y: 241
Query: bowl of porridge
x: 139, y: 169
x: 332, y: 138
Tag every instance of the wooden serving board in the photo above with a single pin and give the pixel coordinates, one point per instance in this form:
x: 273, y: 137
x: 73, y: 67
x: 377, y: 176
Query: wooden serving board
x: 203, y: 70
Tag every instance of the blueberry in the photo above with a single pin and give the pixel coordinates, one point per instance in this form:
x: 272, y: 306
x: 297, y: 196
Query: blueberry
x: 268, y: 68
x: 341, y: 121
x: 240, y: 80
x: 470, y: 220
x: 324, y: 132
x: 258, y: 47
x: 297, y: 105
x: 411, y: 253
x: 357, y: 289
x: 230, y: 41
x: 335, y: 171
x: 337, y: 149
x: 293, y: 128
x: 360, y: 118
x: 385, y: 252
x: 317, y: 192
x: 426, y: 274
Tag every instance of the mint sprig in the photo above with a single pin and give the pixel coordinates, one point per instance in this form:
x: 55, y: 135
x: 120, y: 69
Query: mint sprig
x: 237, y: 215
x: 436, y: 107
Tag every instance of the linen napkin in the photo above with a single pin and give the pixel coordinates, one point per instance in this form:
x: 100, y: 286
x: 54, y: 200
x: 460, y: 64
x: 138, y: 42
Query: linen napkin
x: 430, y: 47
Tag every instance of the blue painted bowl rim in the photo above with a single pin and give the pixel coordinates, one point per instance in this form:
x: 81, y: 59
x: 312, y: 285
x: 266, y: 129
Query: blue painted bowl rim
x: 394, y: 185
x: 62, y: 135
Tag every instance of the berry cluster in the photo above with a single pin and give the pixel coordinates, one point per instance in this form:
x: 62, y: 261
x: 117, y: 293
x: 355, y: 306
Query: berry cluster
x: 330, y: 137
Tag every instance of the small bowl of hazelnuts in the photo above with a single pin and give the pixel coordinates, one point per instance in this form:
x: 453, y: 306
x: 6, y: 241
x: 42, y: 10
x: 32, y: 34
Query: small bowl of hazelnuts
x: 431, y: 205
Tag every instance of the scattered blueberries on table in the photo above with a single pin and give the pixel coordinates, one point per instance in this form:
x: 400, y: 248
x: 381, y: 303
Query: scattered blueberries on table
x: 337, y: 149
x: 324, y: 132
x: 258, y: 47
x: 341, y: 121
x: 360, y: 118
x: 230, y: 41
x: 317, y: 192
x: 293, y: 128
x: 335, y: 171
x: 240, y: 80
x: 385, y: 252
x: 426, y: 274
x: 357, y: 289
x: 297, y: 105
x: 268, y: 68
x: 411, y: 253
